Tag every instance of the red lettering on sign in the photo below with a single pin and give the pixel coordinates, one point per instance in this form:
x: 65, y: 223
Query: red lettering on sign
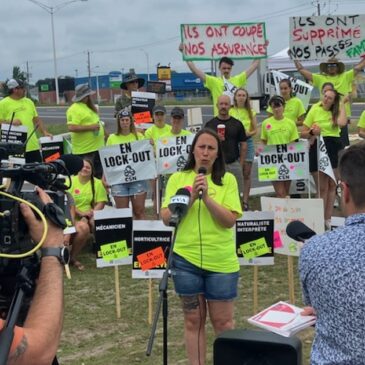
x: 190, y: 32
x: 194, y: 49
x: 150, y: 259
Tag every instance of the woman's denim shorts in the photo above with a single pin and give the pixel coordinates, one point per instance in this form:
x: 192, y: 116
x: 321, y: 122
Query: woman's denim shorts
x: 250, y: 155
x: 129, y: 189
x: 191, y: 280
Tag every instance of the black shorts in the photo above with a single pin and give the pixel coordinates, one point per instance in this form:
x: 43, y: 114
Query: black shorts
x: 333, y: 145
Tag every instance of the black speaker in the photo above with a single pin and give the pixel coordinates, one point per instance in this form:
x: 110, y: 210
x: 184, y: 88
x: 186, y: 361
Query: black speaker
x: 247, y: 347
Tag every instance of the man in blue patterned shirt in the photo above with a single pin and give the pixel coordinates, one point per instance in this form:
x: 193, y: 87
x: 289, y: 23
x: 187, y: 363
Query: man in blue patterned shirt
x: 332, y: 272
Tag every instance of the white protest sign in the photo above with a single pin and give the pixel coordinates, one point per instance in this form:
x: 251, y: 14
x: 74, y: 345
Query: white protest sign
x: 148, y: 238
x: 308, y: 211
x: 283, y: 162
x: 256, y: 229
x: 113, y: 235
x: 172, y: 153
x: 324, y: 162
x: 52, y: 147
x: 213, y: 41
x: 324, y: 37
x: 128, y: 162
x: 17, y: 133
x: 301, y: 89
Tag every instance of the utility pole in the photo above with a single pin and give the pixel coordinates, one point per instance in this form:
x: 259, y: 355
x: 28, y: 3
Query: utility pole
x: 28, y: 90
x: 89, y: 67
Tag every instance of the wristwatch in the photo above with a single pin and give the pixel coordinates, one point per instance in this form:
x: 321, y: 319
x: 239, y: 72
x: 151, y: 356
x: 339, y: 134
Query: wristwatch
x: 62, y: 253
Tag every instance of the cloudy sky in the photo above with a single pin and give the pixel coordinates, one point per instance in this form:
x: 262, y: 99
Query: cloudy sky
x: 120, y: 34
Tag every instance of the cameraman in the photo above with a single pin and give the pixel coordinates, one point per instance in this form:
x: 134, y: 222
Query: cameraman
x: 36, y: 343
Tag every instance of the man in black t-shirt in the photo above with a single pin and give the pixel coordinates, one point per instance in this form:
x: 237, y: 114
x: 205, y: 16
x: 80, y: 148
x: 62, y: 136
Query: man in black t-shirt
x: 233, y: 139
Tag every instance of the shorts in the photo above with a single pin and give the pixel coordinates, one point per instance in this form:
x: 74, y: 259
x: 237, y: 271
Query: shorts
x: 250, y: 155
x: 333, y: 145
x: 129, y: 189
x: 191, y: 280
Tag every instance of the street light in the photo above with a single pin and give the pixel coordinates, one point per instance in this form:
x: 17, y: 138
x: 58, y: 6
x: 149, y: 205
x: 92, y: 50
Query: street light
x: 148, y: 63
x: 51, y: 10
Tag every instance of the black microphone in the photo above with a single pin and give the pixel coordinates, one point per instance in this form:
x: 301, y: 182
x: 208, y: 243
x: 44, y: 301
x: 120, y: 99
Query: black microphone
x: 179, y: 205
x: 202, y: 170
x: 298, y: 231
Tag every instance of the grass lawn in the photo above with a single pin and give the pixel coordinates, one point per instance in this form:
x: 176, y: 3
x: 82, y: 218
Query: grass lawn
x: 93, y: 335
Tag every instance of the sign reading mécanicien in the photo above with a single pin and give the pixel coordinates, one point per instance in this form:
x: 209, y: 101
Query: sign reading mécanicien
x: 128, y: 162
x: 213, y: 41
x: 324, y: 37
x: 284, y: 162
x: 148, y: 236
x: 172, y: 153
x: 113, y: 229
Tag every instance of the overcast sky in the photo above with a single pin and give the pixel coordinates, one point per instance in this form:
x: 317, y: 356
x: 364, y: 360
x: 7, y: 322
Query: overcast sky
x: 121, y: 34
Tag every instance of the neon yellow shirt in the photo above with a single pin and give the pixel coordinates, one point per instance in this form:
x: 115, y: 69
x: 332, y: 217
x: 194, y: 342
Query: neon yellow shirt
x: 121, y: 138
x: 183, y: 132
x: 361, y: 122
x: 216, y: 86
x: 89, y: 141
x: 82, y: 193
x: 218, y: 243
x: 25, y: 111
x: 242, y: 115
x: 293, y: 109
x: 155, y: 132
x: 323, y: 119
x: 341, y: 82
x: 275, y: 131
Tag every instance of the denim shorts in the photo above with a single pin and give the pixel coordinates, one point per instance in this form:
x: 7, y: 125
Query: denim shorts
x: 129, y: 189
x: 250, y: 155
x: 191, y: 280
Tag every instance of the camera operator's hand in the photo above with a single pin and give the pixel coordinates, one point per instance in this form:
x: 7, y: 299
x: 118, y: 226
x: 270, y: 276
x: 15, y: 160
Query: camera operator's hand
x: 55, y: 234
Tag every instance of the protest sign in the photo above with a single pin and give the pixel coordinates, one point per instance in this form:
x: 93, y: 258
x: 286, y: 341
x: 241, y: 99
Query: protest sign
x: 172, y: 153
x: 324, y: 37
x: 308, y: 211
x: 255, y: 238
x: 142, y: 105
x: 113, y: 236
x: 324, y: 162
x: 214, y: 41
x: 52, y: 147
x: 283, y: 162
x: 150, y: 238
x: 16, y: 134
x: 301, y: 89
x: 127, y: 162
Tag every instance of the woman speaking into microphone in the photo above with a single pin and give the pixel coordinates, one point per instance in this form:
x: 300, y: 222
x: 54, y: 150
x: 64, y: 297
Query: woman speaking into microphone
x: 205, y: 267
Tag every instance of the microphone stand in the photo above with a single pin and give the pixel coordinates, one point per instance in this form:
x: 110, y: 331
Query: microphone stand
x: 162, y: 301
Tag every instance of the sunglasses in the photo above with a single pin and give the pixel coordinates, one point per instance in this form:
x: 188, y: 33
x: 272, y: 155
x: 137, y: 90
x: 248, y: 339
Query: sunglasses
x: 332, y: 65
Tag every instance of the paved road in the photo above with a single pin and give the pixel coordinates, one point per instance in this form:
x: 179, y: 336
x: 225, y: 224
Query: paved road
x: 56, y: 115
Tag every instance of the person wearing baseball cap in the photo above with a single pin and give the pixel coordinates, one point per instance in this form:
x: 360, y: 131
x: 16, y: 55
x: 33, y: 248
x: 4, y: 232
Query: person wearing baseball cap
x: 177, y: 123
x: 159, y: 128
x: 333, y: 71
x: 18, y: 110
x: 131, y: 82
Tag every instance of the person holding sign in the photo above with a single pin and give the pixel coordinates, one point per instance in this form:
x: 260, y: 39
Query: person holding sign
x: 22, y: 110
x: 225, y: 84
x: 205, y: 266
x: 325, y: 119
x: 134, y: 191
x: 332, y: 272
x: 278, y: 130
x: 131, y: 82
x: 87, y: 131
x: 294, y: 108
x: 247, y: 116
x: 334, y: 71
x: 89, y: 195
